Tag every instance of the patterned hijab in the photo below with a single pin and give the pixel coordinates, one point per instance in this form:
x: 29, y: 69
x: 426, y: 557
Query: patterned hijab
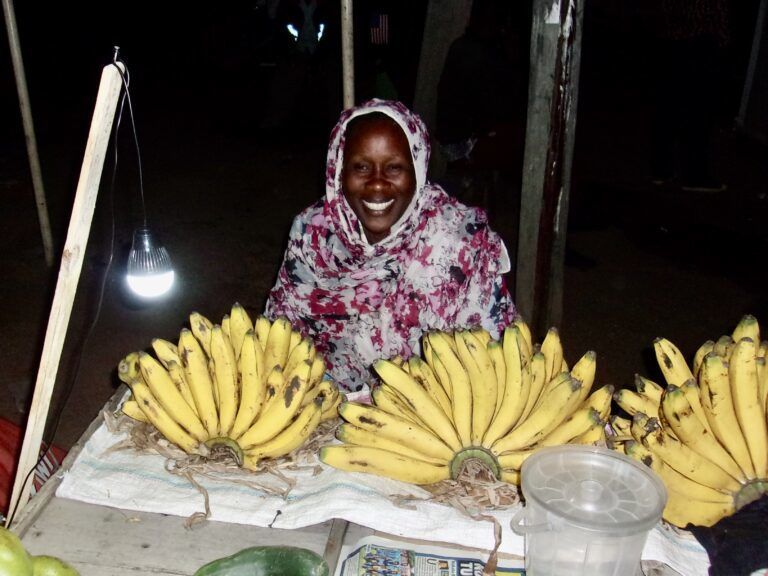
x: 440, y: 267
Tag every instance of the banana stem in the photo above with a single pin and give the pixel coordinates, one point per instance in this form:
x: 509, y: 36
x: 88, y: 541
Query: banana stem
x: 222, y: 448
x: 475, y: 453
x: 750, y: 492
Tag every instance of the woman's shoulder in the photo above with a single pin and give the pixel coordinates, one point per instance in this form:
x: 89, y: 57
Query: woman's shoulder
x: 312, y: 216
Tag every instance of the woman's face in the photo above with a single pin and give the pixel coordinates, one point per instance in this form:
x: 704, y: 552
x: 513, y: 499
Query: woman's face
x: 378, y: 179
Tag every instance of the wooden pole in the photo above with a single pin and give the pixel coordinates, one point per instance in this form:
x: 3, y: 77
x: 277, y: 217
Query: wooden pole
x: 29, y: 131
x: 549, y: 139
x: 69, y: 275
x: 348, y: 53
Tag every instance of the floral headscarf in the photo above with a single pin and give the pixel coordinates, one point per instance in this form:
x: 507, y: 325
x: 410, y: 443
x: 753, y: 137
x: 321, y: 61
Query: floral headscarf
x: 440, y: 268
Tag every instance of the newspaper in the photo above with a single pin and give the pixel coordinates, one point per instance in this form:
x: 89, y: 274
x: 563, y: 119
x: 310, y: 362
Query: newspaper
x: 376, y: 555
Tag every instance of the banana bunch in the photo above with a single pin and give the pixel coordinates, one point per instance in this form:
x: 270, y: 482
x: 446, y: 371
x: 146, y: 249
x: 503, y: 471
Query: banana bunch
x: 705, y: 433
x: 255, y: 389
x: 470, y: 397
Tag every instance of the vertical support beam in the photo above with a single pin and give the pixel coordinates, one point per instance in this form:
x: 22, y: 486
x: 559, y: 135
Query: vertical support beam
x: 549, y: 140
x: 445, y: 21
x: 29, y: 131
x: 69, y: 275
x: 348, y: 53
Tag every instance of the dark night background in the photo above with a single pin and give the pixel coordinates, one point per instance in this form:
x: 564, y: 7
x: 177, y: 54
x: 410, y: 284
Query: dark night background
x: 223, y: 182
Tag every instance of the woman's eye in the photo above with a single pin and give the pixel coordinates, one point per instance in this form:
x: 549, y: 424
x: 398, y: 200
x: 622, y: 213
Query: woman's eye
x: 360, y: 167
x: 394, y: 168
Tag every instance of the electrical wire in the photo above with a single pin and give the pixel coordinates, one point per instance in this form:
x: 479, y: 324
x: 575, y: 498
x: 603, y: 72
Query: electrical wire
x: 125, y: 77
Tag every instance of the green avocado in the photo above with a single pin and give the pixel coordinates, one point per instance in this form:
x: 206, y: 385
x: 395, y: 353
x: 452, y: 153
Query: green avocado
x: 267, y: 561
x: 51, y: 566
x: 14, y: 559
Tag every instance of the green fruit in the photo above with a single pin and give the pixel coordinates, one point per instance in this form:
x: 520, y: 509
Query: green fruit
x: 51, y: 566
x: 14, y: 559
x: 267, y: 561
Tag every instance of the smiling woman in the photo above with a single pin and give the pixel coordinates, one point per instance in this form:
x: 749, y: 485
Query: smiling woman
x: 386, y: 256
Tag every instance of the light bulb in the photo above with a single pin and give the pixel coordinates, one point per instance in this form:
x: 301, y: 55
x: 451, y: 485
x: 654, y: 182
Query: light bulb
x: 150, y: 272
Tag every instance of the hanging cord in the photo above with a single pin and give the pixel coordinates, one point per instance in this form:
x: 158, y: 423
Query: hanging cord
x: 70, y: 383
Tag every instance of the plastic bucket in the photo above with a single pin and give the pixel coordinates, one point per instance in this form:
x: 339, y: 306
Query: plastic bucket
x: 588, y: 511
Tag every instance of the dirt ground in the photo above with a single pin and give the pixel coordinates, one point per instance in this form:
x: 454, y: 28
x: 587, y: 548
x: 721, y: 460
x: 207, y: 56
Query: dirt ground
x: 641, y: 262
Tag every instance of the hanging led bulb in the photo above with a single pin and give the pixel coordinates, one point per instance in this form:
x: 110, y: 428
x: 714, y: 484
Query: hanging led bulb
x: 150, y: 272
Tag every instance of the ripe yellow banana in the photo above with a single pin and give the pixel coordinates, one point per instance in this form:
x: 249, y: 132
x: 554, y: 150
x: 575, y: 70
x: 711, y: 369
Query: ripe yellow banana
x: 165, y: 392
x: 723, y: 347
x: 304, y: 350
x: 511, y: 477
x: 131, y: 409
x: 538, y: 382
x: 701, y: 352
x: 746, y: 401
x: 225, y: 368
x: 555, y: 407
x: 420, y: 401
x: 351, y: 434
x: 318, y: 370
x: 584, y: 371
x: 672, y: 362
x: 718, y: 407
x: 593, y: 436
x: 747, y: 328
x: 552, y: 348
x: 620, y: 425
x: 424, y: 375
x: 437, y: 367
x: 195, y: 365
x: 482, y: 378
x: 383, y: 463
x: 278, y: 341
x: 128, y: 369
x: 633, y: 403
x: 252, y: 386
x: 687, y: 462
x: 600, y: 400
x: 321, y: 389
x: 516, y: 386
x: 239, y: 324
x: 160, y: 419
x: 482, y: 335
x: 280, y: 412
x: 261, y: 327
x: 295, y: 339
x: 682, y: 510
x: 526, y: 348
x: 514, y: 460
x: 225, y: 325
x: 176, y: 372
x: 166, y: 352
x: 201, y: 328
x: 690, y: 430
x: 390, y: 401
x: 762, y: 382
x: 649, y: 389
x: 290, y: 437
x: 578, y: 423
x: 692, y: 393
x: 331, y: 411
x: 461, y: 389
x: 496, y: 353
x: 396, y: 428
x: 679, y: 483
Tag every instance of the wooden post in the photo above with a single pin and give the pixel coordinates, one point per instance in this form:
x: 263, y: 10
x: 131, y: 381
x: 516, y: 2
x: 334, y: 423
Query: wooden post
x: 552, y: 100
x: 69, y: 275
x: 29, y: 131
x: 348, y: 53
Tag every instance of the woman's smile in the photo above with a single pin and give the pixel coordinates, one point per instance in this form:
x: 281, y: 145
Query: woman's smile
x: 378, y: 207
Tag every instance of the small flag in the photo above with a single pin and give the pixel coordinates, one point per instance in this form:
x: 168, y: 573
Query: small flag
x: 380, y: 29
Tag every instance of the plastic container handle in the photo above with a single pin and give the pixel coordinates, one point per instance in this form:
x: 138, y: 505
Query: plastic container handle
x: 521, y: 529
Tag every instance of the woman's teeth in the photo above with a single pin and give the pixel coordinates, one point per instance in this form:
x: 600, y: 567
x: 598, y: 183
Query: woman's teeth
x: 378, y: 206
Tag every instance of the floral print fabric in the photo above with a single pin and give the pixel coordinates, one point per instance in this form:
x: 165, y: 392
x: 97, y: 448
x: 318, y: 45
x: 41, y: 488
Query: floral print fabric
x: 439, y: 269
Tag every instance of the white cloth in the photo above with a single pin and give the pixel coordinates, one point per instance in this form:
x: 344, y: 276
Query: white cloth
x: 131, y: 481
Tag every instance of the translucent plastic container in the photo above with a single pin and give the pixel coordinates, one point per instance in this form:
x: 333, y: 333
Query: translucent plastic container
x: 588, y: 511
